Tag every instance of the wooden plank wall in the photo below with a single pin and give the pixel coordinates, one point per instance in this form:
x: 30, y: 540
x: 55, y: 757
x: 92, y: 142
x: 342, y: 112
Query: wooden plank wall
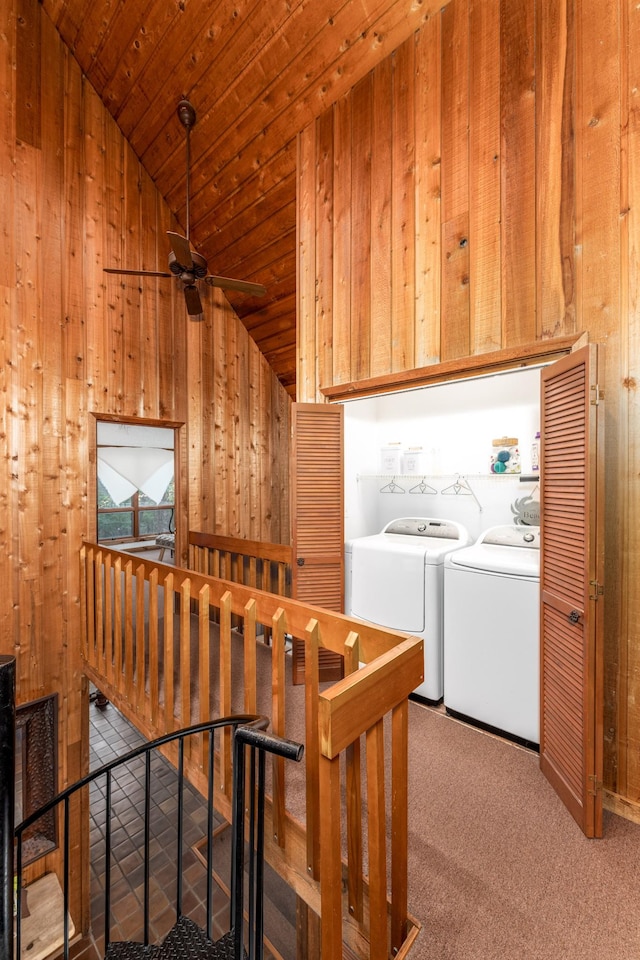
x: 75, y: 343
x: 477, y: 191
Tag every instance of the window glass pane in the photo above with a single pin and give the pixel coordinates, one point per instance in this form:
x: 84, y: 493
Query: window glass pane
x: 105, y: 501
x: 154, y: 521
x: 169, y: 494
x: 115, y: 525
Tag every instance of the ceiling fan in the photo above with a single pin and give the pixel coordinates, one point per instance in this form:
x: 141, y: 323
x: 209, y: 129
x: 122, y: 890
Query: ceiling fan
x: 186, y: 264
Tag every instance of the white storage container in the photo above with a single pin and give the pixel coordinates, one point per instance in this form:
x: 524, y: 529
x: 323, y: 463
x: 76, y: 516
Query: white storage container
x: 414, y: 460
x: 391, y: 458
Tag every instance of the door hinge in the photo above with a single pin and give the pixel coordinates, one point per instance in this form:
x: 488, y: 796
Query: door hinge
x: 596, y: 394
x: 595, y: 784
x: 597, y: 588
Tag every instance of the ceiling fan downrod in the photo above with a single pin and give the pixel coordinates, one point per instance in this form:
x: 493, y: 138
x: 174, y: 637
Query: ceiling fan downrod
x: 187, y: 117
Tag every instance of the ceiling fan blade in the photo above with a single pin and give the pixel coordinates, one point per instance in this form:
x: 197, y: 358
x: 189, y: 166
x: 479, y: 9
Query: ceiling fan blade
x: 192, y: 300
x: 138, y: 273
x: 242, y: 286
x: 181, y: 250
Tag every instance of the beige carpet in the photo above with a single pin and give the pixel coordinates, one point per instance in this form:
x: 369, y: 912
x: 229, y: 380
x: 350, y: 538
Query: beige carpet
x: 498, y: 868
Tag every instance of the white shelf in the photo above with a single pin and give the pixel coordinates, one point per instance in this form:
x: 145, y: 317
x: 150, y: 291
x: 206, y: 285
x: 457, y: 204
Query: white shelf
x: 416, y: 477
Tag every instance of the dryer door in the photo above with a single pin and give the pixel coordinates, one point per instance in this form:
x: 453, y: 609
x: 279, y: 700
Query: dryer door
x: 388, y: 584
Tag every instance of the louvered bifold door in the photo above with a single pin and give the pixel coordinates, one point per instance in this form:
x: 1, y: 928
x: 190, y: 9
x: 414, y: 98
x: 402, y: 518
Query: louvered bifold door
x: 572, y: 500
x: 317, y: 519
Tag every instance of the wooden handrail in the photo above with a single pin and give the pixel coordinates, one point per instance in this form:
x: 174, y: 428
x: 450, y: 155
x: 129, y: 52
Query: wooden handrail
x: 139, y: 618
x: 254, y: 563
x: 280, y: 552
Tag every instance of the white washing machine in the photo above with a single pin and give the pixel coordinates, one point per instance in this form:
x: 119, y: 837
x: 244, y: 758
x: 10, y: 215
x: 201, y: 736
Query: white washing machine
x: 395, y: 579
x: 491, y: 641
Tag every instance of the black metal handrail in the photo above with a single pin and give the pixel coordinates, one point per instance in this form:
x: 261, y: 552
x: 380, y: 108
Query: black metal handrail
x: 249, y: 735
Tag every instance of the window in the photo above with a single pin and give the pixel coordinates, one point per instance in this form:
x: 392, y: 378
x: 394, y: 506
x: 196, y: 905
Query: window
x: 136, y: 518
x: 136, y: 483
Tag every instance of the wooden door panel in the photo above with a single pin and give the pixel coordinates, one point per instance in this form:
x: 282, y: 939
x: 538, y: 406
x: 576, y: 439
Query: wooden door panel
x: 318, y: 519
x: 572, y: 501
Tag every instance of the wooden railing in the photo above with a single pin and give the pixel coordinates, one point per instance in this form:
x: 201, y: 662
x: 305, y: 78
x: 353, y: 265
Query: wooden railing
x: 253, y: 563
x: 148, y: 644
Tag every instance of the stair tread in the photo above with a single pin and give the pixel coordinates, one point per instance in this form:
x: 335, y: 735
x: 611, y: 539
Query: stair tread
x: 185, y: 941
x: 131, y: 950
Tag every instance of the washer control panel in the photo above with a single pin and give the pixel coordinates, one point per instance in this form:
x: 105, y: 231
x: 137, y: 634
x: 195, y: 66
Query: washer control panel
x: 512, y: 536
x: 426, y: 527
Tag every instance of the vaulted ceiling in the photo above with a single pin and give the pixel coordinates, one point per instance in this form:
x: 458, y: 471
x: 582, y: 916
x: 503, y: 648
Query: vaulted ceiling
x: 257, y: 72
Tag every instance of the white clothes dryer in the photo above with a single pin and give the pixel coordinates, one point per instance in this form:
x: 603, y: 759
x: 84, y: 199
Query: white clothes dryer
x: 491, y: 640
x: 394, y: 579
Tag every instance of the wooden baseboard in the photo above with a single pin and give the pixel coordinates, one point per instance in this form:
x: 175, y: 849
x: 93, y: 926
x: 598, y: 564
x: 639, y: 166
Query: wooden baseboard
x: 629, y: 809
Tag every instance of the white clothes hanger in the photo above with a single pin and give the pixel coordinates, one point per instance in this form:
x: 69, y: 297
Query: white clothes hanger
x: 392, y: 487
x: 423, y: 487
x: 461, y: 487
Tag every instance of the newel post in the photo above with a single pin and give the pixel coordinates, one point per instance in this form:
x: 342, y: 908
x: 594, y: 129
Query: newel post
x: 7, y: 800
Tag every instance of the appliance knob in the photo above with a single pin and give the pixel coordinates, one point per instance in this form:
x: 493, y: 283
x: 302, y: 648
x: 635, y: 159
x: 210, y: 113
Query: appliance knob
x: 528, y: 537
x: 422, y: 527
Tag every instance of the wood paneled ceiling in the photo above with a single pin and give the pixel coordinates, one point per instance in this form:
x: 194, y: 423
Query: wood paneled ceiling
x: 257, y: 72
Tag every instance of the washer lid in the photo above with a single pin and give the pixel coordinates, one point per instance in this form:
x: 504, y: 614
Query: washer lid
x: 512, y: 553
x: 426, y: 538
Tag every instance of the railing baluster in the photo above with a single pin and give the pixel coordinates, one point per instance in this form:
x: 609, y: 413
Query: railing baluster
x: 128, y: 631
x: 225, y: 690
x: 180, y: 825
x: 90, y: 607
x: 151, y: 702
x: 204, y: 661
x: 98, y: 593
x: 278, y: 680
x: 210, y: 810
x: 259, y: 921
x: 354, y: 798
x: 108, y: 619
x: 147, y: 835
x: 117, y: 619
x: 330, y: 858
x: 185, y: 654
x: 250, y: 665
x: 140, y: 641
x: 253, y: 854
x: 107, y: 861
x: 399, y: 823
x: 377, y: 842
x: 168, y: 672
x: 311, y: 689
x: 84, y: 625
x: 236, y: 912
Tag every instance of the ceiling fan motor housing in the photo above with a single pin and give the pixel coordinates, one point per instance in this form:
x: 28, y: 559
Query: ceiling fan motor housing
x: 197, y: 271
